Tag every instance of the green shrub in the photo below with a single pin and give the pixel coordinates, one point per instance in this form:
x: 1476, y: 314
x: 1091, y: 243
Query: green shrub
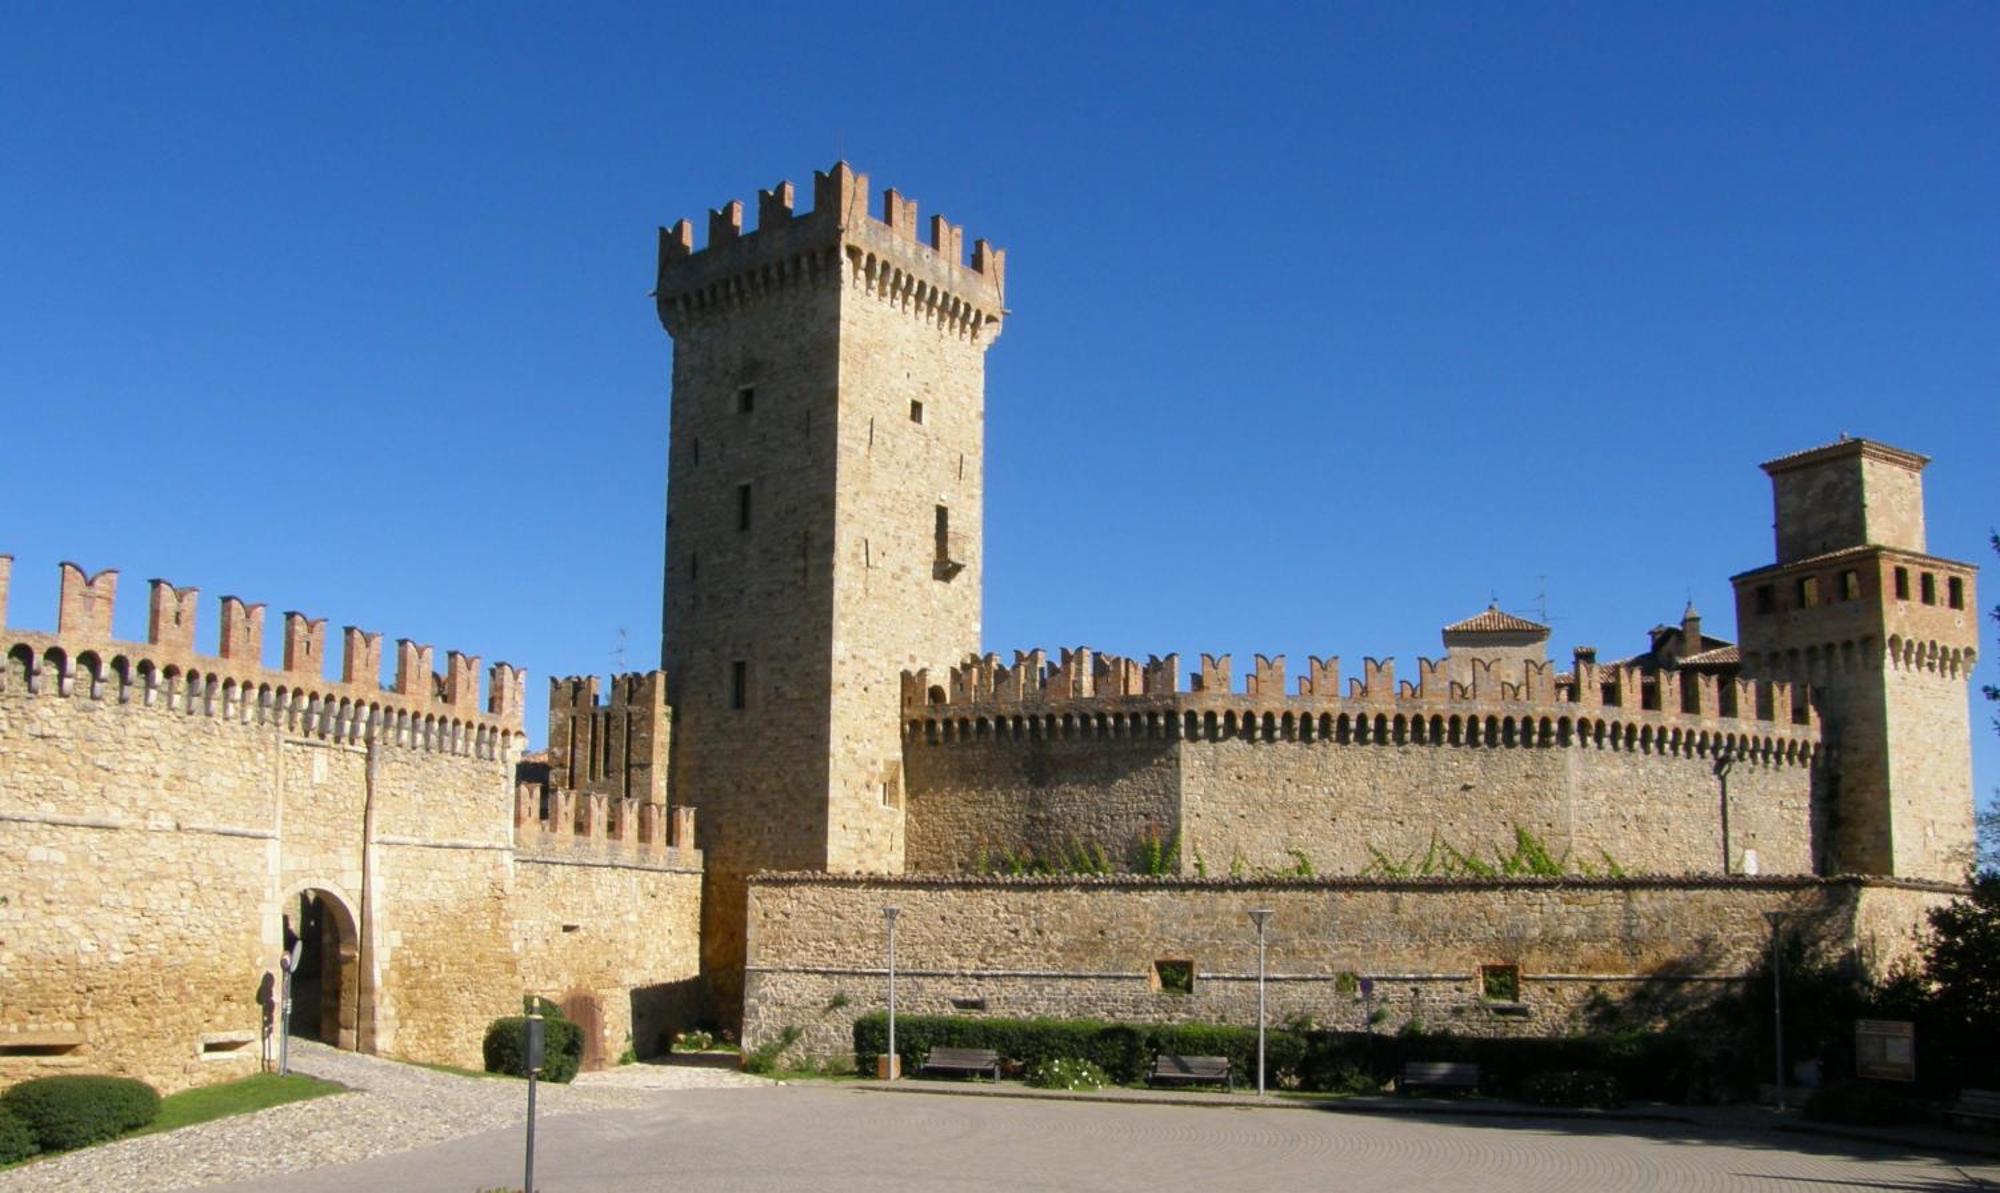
x: 1066, y: 1073
x: 506, y: 1048
x: 74, y: 1111
x: 1573, y: 1087
x: 764, y: 1057
x: 17, y: 1139
x: 1864, y: 1103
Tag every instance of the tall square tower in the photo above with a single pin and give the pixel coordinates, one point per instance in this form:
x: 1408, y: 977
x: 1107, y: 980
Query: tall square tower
x: 1886, y: 634
x: 824, y: 486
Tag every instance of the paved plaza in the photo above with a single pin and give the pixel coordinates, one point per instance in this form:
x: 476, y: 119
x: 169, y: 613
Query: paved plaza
x: 660, y: 1128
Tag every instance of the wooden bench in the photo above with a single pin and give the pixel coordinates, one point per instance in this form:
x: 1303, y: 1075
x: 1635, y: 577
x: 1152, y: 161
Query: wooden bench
x: 1445, y: 1074
x: 1171, y: 1069
x: 1976, y: 1104
x: 966, y: 1062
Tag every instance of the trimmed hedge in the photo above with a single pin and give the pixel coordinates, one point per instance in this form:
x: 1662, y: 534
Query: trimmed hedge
x: 1661, y: 1067
x: 75, y: 1111
x: 17, y: 1139
x: 1573, y: 1087
x: 506, y: 1048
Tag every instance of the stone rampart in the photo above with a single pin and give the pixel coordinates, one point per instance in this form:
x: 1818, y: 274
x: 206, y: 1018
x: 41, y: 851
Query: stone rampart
x: 1090, y: 947
x: 1611, y: 769
x: 162, y: 815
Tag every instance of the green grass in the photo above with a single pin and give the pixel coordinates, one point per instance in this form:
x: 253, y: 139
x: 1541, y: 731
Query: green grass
x: 258, y: 1092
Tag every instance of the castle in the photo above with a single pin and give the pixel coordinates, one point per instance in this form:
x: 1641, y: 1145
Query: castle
x: 1068, y: 834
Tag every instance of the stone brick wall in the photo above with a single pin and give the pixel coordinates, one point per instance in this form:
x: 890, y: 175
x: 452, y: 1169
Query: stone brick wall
x: 1249, y: 789
x: 160, y: 816
x: 1087, y: 947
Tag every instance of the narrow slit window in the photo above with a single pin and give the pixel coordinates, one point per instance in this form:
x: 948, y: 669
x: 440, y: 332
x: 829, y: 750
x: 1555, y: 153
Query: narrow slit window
x: 694, y: 452
x: 739, y: 684
x: 743, y: 507
x: 1927, y: 588
x: 1954, y: 592
x: 916, y: 411
x: 746, y: 399
x: 1767, y: 599
x: 1902, y: 584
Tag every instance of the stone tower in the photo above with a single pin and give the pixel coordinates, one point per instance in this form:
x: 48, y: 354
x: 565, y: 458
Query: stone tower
x: 1886, y: 634
x: 824, y: 489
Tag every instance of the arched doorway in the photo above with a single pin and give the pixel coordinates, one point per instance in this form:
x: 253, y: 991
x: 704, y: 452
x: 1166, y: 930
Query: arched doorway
x: 326, y: 986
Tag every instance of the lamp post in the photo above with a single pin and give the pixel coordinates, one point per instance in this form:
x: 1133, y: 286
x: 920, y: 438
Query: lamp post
x: 1777, y: 922
x: 1261, y: 916
x: 895, y: 1060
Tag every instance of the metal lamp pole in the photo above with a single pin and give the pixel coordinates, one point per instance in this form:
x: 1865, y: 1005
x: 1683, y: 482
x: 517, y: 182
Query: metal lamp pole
x: 1261, y: 916
x: 1777, y: 921
x: 895, y: 1059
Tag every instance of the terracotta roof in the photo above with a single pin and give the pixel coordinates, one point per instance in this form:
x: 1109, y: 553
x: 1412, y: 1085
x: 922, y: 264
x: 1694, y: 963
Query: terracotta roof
x: 1494, y: 621
x: 1721, y: 656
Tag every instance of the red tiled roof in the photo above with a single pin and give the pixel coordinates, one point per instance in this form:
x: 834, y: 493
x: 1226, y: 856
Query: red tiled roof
x: 1721, y: 656
x: 1494, y: 621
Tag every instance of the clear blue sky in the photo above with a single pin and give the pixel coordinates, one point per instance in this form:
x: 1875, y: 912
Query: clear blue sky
x: 1330, y: 321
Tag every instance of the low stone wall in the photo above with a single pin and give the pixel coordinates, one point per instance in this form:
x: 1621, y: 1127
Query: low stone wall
x: 1089, y: 947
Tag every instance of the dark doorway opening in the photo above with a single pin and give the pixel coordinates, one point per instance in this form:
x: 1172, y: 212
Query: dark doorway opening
x: 325, y: 986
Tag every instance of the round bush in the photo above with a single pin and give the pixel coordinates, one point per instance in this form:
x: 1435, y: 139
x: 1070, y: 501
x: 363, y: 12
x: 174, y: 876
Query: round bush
x: 73, y: 1111
x: 17, y: 1139
x: 1065, y: 1073
x: 506, y: 1048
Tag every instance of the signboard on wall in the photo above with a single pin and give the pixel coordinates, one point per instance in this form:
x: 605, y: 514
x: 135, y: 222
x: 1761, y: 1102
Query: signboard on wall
x: 1885, y: 1049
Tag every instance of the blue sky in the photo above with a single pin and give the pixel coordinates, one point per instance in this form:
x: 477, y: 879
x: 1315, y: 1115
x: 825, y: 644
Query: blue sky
x: 1330, y: 322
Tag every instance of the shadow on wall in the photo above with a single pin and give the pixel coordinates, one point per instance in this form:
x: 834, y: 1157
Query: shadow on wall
x: 660, y: 1010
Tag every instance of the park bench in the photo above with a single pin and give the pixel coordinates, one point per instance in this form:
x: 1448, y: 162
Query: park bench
x: 1172, y: 1069
x: 1976, y: 1104
x: 1445, y: 1074
x: 969, y: 1062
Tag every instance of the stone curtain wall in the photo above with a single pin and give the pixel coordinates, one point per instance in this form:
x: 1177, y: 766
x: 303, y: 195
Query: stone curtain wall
x: 155, y: 830
x: 1038, y: 796
x: 625, y: 934
x: 136, y: 857
x: 1244, y: 804
x: 1087, y: 947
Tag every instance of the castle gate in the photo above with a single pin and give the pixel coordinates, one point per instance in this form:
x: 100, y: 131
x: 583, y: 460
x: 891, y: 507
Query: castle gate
x: 326, y: 986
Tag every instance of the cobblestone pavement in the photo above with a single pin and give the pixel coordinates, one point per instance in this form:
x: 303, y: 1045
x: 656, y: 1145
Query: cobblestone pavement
x: 820, y: 1137
x: 390, y: 1108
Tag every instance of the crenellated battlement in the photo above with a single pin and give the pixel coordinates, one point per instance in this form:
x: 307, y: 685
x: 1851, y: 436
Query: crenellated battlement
x: 1084, y: 693
x: 616, y: 748
x: 558, y: 824
x: 422, y: 708
x: 929, y: 275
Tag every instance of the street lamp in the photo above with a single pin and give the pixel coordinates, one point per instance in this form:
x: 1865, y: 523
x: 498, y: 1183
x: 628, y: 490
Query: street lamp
x: 894, y: 1067
x: 1777, y: 922
x: 1261, y: 916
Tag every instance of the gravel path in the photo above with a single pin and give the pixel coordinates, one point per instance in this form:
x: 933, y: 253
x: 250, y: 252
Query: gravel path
x: 391, y: 1107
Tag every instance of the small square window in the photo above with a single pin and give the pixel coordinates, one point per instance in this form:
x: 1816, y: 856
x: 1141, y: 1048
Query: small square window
x: 739, y: 684
x: 1954, y: 592
x: 1902, y: 584
x: 1500, y: 983
x: 1173, y: 977
x: 746, y: 399
x: 916, y: 411
x: 1927, y: 588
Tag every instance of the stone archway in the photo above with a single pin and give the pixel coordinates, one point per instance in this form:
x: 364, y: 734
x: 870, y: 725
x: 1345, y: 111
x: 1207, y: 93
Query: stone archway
x: 326, y: 986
